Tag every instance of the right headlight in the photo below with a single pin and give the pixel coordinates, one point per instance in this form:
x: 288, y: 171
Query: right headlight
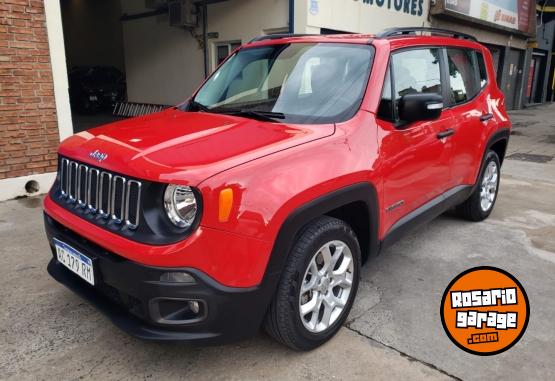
x: 181, y: 205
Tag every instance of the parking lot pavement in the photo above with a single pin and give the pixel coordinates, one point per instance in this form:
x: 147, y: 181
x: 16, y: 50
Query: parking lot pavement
x: 393, y: 332
x: 46, y: 332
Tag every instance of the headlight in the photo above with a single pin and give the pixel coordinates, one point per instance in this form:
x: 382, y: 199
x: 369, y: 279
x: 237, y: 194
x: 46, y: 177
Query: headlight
x: 181, y: 205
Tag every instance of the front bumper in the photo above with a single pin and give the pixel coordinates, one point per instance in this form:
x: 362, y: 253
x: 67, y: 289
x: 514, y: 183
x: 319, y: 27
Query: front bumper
x: 132, y: 296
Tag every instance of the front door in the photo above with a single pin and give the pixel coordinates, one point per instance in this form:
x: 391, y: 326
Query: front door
x: 415, y: 163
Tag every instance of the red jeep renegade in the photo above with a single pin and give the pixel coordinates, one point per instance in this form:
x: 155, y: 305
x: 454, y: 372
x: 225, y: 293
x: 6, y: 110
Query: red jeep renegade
x: 256, y: 201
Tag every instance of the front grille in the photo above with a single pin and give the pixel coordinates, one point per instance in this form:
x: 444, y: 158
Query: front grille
x: 100, y: 192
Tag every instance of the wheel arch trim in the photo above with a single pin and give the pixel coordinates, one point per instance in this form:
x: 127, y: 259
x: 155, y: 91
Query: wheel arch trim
x: 300, y: 217
x: 497, y: 136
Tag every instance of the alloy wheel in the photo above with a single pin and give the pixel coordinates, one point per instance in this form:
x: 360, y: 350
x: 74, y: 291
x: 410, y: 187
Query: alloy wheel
x: 326, y: 286
x: 489, y: 186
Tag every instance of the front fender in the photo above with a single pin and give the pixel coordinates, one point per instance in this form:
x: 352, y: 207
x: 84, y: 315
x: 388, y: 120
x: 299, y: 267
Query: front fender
x: 269, y: 189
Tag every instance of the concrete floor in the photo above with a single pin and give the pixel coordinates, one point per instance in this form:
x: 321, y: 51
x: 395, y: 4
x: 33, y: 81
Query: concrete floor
x: 393, y: 332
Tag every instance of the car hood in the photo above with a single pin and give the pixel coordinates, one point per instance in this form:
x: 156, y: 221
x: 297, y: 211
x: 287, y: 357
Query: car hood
x: 185, y: 147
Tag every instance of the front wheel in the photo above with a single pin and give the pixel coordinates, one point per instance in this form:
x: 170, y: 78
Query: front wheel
x: 317, y: 287
x: 480, y: 204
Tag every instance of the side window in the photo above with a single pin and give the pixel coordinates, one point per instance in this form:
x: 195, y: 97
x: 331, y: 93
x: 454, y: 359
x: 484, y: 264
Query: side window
x: 461, y: 75
x: 416, y: 71
x: 385, y: 109
x: 482, y: 70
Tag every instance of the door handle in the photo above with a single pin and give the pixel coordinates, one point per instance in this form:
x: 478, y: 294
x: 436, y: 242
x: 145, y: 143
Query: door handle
x: 446, y: 133
x: 486, y: 117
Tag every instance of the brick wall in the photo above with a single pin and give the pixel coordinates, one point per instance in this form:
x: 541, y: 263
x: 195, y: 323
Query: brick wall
x: 28, y: 125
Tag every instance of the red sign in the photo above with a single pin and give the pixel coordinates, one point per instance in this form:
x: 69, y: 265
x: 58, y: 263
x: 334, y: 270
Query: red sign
x: 524, y: 15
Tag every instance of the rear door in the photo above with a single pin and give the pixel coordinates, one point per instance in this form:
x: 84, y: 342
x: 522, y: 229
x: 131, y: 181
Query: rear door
x: 468, y: 98
x: 415, y: 162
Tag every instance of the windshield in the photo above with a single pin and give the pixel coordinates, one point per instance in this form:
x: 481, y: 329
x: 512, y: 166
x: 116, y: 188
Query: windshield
x: 299, y: 83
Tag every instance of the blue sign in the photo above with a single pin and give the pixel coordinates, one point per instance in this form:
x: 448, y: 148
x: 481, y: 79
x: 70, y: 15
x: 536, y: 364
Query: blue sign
x: 314, y: 7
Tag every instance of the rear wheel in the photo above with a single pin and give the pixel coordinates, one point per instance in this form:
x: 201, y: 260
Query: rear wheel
x: 480, y: 204
x: 317, y: 287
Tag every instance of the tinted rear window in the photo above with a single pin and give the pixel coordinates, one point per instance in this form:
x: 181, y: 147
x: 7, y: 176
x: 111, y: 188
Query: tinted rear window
x: 462, y: 74
x: 482, y: 69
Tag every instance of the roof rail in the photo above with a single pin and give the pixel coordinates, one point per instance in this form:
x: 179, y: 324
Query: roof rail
x: 395, y: 32
x: 279, y: 35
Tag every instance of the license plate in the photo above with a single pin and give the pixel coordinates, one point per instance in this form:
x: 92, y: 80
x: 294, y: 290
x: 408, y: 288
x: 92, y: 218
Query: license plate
x: 75, y: 261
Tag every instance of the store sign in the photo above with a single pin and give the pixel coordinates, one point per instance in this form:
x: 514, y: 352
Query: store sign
x: 514, y: 14
x: 410, y: 7
x: 365, y: 16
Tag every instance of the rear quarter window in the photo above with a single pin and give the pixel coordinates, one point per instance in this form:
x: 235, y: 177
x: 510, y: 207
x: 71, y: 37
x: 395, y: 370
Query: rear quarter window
x: 462, y: 75
x: 482, y: 70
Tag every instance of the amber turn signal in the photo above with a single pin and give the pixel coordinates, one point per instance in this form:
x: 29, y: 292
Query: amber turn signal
x: 226, y: 202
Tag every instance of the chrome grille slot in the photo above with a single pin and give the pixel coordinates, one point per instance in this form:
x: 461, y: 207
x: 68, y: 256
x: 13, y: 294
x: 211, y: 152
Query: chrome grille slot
x: 132, y: 214
x: 72, y: 180
x: 102, y: 193
x: 82, y: 185
x: 118, y: 199
x: 64, y: 167
x: 92, y: 189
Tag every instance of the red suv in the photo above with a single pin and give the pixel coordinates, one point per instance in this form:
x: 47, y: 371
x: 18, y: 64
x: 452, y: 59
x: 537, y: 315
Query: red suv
x: 256, y: 201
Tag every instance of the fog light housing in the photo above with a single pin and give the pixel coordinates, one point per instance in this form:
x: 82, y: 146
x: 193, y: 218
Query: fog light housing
x: 177, y: 277
x: 194, y: 306
x: 177, y: 311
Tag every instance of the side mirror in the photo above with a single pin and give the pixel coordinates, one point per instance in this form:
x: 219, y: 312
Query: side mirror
x: 420, y: 107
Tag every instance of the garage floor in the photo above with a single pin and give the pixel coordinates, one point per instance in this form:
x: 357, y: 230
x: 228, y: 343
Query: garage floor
x: 394, y: 331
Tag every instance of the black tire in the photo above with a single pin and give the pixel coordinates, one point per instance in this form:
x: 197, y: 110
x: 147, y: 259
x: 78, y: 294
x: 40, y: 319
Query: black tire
x: 471, y: 209
x: 283, y: 321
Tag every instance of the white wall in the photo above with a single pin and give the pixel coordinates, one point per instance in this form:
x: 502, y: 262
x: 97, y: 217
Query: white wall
x: 55, y: 32
x: 357, y: 16
x: 165, y: 64
x: 242, y: 20
x: 162, y: 63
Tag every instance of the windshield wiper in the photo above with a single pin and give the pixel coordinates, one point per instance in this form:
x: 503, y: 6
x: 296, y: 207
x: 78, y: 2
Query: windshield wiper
x: 198, y: 106
x: 256, y: 114
x: 269, y: 116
